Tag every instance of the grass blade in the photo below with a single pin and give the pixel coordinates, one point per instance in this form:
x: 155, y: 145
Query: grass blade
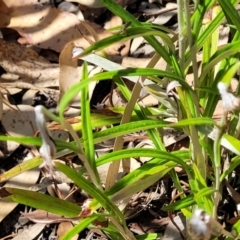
x: 44, y: 202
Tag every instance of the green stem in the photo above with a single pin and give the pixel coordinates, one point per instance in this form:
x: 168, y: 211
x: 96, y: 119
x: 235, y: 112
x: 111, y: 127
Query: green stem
x: 126, y: 233
x: 192, y: 46
x: 181, y: 37
x: 82, y: 156
x: 217, y: 162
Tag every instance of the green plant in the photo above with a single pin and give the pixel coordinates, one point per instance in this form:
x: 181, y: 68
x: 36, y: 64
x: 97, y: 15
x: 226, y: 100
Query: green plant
x: 204, y: 150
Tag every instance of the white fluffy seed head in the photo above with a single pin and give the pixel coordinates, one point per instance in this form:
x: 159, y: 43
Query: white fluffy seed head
x: 229, y: 101
x: 200, y: 225
x: 222, y: 88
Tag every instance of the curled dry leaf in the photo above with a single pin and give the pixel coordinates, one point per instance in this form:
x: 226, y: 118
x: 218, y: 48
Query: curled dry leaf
x: 63, y: 228
x: 41, y: 216
x: 70, y: 73
x: 48, y: 27
x: 26, y: 63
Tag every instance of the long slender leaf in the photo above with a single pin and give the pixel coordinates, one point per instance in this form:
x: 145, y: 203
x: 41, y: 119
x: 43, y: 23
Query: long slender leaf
x: 224, y: 52
x: 235, y: 162
x: 208, y: 31
x: 197, y: 17
x: 44, y: 202
x: 143, y: 177
x: 230, y: 12
x: 127, y: 17
x: 20, y: 168
x: 83, y: 224
x: 75, y: 89
x: 147, y: 124
x: 35, y: 141
x: 84, y: 184
x: 189, y: 200
x: 87, y: 134
x: 125, y: 35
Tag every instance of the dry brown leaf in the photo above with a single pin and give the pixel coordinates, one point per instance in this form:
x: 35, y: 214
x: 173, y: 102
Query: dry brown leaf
x: 31, y: 232
x: 113, y: 22
x: 41, y: 216
x: 132, y: 62
x: 26, y: 63
x: 115, y: 100
x: 98, y: 4
x: 171, y: 232
x: 63, y: 228
x: 19, y: 122
x: 70, y: 73
x: 8, y: 207
x: 48, y: 27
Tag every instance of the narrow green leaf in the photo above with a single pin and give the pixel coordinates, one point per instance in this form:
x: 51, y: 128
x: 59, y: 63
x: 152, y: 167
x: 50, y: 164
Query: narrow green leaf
x: 44, y: 202
x: 209, y: 30
x: 127, y: 17
x: 35, y: 141
x: 75, y: 89
x: 189, y: 200
x: 236, y: 228
x: 149, y: 236
x: 139, y: 152
x: 205, y: 192
x: 31, y: 141
x: 126, y: 35
x: 231, y: 143
x: 82, y: 225
x: 98, y: 120
x: 230, y: 12
x: 84, y: 184
x: 222, y: 53
x: 87, y: 135
x: 140, y: 178
x: 235, y: 162
x: 147, y: 124
x: 198, y: 15
x: 180, y: 204
x: 20, y: 168
x: 227, y: 77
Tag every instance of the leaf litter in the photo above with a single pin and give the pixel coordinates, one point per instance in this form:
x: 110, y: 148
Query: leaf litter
x: 37, y: 68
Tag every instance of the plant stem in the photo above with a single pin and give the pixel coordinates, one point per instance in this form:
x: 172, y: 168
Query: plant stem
x: 82, y: 156
x: 192, y: 46
x: 126, y: 233
x: 181, y: 35
x: 217, y: 162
